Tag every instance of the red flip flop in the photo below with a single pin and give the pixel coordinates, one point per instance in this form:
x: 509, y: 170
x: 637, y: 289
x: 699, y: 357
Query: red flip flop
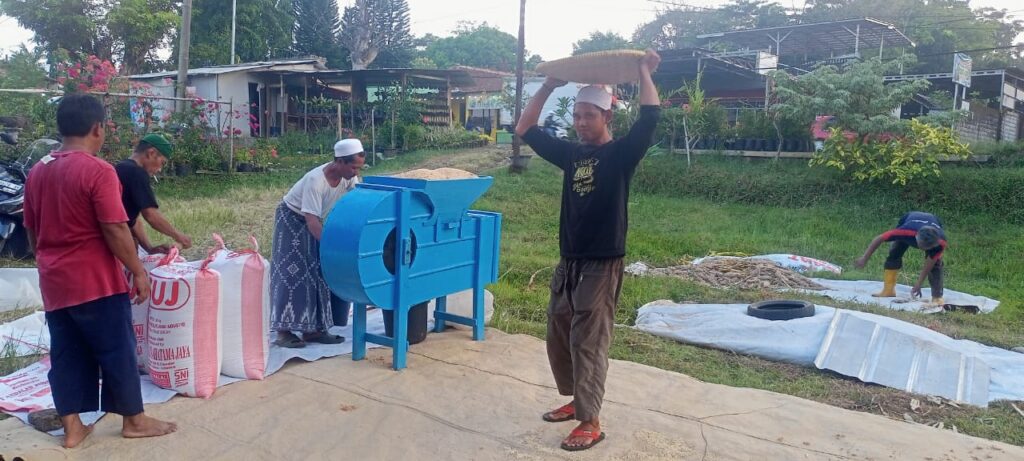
x: 568, y: 410
x: 594, y: 437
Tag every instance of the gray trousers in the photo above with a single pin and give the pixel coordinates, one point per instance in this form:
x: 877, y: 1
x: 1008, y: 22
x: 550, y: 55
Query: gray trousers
x: 581, y: 316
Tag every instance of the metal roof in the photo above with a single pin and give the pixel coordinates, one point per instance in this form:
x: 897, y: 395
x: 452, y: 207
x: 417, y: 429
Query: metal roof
x: 1010, y: 72
x: 216, y: 70
x: 431, y: 78
x: 720, y: 74
x: 816, y: 38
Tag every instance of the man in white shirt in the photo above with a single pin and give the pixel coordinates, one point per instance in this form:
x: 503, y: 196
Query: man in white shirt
x: 300, y: 299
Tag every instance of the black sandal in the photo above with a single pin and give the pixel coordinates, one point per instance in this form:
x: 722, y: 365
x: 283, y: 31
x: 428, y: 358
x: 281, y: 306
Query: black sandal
x: 324, y: 338
x: 291, y: 342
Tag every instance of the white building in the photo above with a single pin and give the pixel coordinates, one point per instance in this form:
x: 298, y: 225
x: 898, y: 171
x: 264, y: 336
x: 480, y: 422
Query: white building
x: 269, y: 94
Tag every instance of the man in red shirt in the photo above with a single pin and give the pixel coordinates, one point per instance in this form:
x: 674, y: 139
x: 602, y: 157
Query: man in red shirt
x: 78, y: 229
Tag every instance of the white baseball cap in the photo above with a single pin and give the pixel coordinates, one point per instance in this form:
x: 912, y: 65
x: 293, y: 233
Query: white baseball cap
x: 347, y: 147
x: 596, y: 95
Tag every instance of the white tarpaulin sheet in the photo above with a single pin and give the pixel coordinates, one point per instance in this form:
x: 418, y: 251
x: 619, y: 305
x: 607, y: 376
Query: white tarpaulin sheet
x: 27, y: 335
x: 860, y: 291
x: 727, y: 326
x: 28, y: 389
x: 862, y: 348
x: 19, y: 288
x: 30, y: 336
x: 851, y: 290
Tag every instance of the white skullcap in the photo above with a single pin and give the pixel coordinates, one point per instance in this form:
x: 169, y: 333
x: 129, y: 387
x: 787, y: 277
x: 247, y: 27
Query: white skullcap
x: 347, y: 147
x: 596, y: 95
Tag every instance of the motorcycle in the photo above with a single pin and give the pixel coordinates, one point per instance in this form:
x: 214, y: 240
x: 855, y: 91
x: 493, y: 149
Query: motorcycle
x: 555, y: 127
x: 13, y: 174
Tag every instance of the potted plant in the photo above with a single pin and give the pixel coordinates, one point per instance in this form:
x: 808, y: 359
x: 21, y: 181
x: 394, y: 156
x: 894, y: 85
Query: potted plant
x: 182, y: 168
x: 259, y: 157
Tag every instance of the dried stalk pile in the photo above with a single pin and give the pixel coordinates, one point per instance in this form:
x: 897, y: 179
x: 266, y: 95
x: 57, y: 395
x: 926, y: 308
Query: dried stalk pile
x: 744, y: 274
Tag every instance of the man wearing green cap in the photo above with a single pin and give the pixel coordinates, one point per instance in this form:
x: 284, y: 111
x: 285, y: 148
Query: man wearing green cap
x: 149, y: 157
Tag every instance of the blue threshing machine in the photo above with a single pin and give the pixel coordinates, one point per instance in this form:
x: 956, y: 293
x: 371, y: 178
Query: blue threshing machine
x: 396, y: 242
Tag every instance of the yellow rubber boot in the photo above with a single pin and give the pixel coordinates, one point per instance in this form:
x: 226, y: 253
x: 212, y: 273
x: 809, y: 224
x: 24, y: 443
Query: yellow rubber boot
x: 889, y: 287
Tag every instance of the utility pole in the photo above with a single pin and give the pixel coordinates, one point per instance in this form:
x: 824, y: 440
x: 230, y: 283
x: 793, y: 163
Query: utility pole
x: 516, y: 167
x: 234, y: 5
x: 185, y: 40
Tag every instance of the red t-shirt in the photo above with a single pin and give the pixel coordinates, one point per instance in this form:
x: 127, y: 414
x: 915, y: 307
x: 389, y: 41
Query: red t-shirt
x: 67, y: 196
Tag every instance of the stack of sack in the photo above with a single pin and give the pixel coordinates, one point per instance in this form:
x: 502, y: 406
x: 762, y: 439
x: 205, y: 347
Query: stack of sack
x: 206, y: 318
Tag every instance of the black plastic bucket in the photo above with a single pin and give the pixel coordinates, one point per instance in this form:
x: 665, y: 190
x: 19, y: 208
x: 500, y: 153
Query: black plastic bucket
x: 340, y: 310
x: 417, y: 323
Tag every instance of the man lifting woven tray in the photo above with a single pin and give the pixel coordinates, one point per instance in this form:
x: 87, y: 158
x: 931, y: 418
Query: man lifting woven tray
x: 600, y: 67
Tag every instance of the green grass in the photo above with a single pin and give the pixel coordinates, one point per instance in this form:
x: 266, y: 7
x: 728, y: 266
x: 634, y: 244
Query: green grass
x: 984, y: 257
x: 666, y: 226
x: 9, y: 361
x: 675, y: 213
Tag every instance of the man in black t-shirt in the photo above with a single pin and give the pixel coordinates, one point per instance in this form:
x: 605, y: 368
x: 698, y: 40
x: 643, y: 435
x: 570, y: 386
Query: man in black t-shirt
x: 592, y: 238
x: 137, y: 195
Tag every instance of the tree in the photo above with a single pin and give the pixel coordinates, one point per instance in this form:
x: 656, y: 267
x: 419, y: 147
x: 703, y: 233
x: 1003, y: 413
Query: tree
x: 126, y: 31
x: 23, y: 69
x: 422, y: 63
x: 316, y: 30
x: 867, y: 142
x: 264, y: 31
x: 477, y: 45
x: 601, y: 41
x: 139, y: 28
x: 856, y: 96
x: 752, y: 14
x: 372, y: 27
x: 532, y: 61
x: 679, y: 27
x: 72, y: 25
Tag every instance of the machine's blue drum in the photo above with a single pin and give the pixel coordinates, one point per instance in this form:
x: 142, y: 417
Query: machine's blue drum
x: 447, y: 248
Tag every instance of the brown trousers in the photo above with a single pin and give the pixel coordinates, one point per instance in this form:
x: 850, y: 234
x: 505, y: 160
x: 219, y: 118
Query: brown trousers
x: 581, y: 316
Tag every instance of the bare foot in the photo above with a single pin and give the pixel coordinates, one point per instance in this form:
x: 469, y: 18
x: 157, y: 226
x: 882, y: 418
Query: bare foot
x: 140, y: 425
x: 74, y: 431
x: 584, y: 436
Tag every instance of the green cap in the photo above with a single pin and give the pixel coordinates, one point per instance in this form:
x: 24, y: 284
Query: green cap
x: 160, y: 142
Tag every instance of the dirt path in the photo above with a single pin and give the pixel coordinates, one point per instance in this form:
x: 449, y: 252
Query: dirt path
x: 461, y: 399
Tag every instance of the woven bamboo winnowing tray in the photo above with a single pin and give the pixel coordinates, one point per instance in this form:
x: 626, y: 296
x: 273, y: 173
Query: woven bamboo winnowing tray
x: 600, y: 67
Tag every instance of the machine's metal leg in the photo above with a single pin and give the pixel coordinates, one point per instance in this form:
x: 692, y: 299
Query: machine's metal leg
x: 440, y: 305
x: 478, y: 314
x: 358, y: 331
x: 401, y: 337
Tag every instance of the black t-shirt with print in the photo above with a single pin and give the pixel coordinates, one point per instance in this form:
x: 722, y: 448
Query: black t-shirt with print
x: 595, y: 187
x: 136, y: 189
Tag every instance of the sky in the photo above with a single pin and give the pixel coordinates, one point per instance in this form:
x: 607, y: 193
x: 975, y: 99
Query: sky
x: 552, y: 26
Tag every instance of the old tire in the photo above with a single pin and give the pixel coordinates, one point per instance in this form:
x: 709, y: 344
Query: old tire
x: 781, y: 310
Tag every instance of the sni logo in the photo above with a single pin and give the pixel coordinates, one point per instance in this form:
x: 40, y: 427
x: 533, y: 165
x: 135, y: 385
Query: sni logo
x: 169, y: 294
